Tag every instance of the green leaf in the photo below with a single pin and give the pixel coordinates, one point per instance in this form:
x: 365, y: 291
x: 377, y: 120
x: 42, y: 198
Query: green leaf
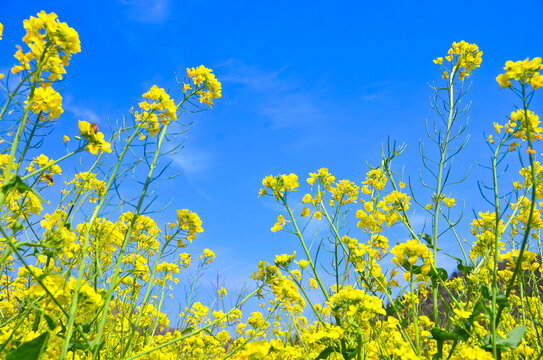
x: 514, y: 337
x: 18, y: 184
x: 30, y: 350
x: 187, y: 330
x: 326, y: 352
x: 426, y: 238
x: 439, y: 273
x: 439, y: 334
x: 485, y: 291
x: 502, y: 301
x: 513, y: 340
x: 479, y: 306
x: 50, y: 322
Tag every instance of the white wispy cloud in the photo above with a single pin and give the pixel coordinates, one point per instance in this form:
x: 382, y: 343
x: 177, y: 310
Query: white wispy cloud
x: 193, y: 161
x: 292, y: 110
x: 82, y: 112
x: 281, y: 99
x: 147, y: 11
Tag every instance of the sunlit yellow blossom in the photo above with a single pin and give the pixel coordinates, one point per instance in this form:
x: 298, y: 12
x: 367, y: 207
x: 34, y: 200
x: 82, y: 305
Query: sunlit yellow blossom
x: 190, y: 223
x: 490, y: 140
x: 45, y: 34
x: 464, y: 57
x: 209, y: 87
x: 524, y: 71
x: 279, y: 224
x: 280, y: 185
x: 208, y: 256
x: 157, y: 109
x: 95, y: 139
x: 48, y: 101
x: 284, y: 260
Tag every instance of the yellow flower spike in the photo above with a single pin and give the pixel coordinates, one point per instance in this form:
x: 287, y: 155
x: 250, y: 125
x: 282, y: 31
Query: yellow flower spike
x: 279, y: 224
x: 210, y: 87
x: 524, y: 71
x: 95, y: 139
x: 208, y: 256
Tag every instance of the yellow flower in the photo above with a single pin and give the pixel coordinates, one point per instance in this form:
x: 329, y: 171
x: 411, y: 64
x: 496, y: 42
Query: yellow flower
x: 305, y: 212
x: 439, y: 60
x: 47, y: 100
x: 95, y: 139
x: 303, y: 264
x: 208, y: 256
x: 317, y: 215
x: 210, y: 87
x: 279, y: 224
x: 449, y: 202
x: 1, y: 30
x: 65, y: 139
x: 524, y: 71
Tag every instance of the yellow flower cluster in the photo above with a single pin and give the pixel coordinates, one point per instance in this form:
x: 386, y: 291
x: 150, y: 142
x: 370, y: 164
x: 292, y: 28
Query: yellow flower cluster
x: 524, y: 71
x: 464, y: 56
x: 345, y: 192
x: 407, y: 255
x: 483, y: 228
x: 88, y: 182
x: 280, y: 185
x: 322, y: 177
x: 190, y: 223
x: 349, y: 302
x: 528, y: 259
x: 95, y: 139
x: 279, y: 224
x: 51, y: 44
x: 161, y: 110
x: 46, y: 100
x: 208, y: 256
x: 57, y: 236
x: 526, y: 173
x: 284, y: 260
x: 42, y: 161
x: 520, y: 124
x: 376, y: 179
x: 208, y: 87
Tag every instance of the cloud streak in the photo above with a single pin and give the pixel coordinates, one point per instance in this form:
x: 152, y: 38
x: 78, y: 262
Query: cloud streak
x: 147, y: 11
x: 279, y: 98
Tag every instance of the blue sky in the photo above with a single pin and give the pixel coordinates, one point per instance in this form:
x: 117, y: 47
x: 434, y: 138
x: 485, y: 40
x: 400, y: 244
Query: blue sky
x: 305, y: 85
